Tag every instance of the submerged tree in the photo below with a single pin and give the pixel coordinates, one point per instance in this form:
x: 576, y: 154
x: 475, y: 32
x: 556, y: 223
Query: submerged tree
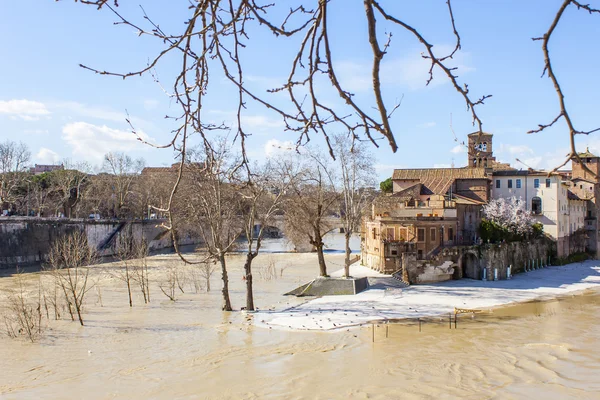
x: 262, y: 196
x: 68, y: 262
x: 210, y: 205
x: 357, y: 181
x: 216, y: 38
x: 311, y: 202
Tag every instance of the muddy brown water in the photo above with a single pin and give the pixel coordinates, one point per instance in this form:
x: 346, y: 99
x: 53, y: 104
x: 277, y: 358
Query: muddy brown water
x: 190, y: 349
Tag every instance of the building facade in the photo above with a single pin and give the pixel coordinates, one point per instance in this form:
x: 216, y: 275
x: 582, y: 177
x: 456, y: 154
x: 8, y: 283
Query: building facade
x: 434, y: 209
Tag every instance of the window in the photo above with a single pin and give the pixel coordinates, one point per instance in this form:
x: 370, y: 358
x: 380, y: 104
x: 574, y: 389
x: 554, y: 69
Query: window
x: 497, y: 183
x: 485, y: 164
x: 419, y: 254
x: 421, y: 234
x: 536, y: 183
x: 374, y: 233
x: 432, y: 234
x: 450, y: 233
x: 474, y: 162
x: 403, y: 233
x: 510, y: 183
x: 484, y: 147
x: 547, y: 182
x: 536, y: 205
x: 394, y: 252
x: 518, y: 184
x: 391, y: 234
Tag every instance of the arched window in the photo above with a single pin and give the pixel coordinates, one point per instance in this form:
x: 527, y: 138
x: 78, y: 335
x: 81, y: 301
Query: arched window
x: 474, y: 162
x: 485, y: 163
x: 479, y: 162
x: 536, y: 205
x: 484, y: 147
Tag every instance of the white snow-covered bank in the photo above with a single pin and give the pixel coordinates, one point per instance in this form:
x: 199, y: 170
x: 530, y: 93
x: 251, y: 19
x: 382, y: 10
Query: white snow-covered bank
x: 358, y: 271
x: 335, y: 312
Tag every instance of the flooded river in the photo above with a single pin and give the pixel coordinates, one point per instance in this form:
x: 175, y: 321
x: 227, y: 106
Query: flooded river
x: 190, y: 349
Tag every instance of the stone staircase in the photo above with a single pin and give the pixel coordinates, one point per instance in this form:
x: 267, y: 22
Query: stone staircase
x: 399, y: 275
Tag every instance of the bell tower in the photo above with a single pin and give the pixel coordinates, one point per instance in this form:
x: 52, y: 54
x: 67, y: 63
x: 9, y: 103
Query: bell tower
x: 591, y: 161
x: 480, y: 150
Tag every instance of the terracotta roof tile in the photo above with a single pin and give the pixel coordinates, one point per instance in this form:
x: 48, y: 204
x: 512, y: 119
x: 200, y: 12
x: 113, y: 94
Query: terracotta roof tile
x: 438, y: 180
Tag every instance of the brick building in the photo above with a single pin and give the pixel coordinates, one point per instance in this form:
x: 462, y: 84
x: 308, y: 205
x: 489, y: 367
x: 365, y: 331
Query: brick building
x: 436, y: 208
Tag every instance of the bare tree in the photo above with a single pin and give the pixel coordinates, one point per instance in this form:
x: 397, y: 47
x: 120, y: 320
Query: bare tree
x: 549, y: 70
x: 357, y: 181
x: 39, y: 189
x: 68, y: 262
x: 215, y: 38
x: 207, y: 269
x: 169, y: 285
x: 262, y: 196
x: 13, y: 166
x: 211, y: 203
x: 126, y: 252
x: 122, y: 171
x: 68, y: 185
x: 23, y: 315
x: 310, y: 202
x: 140, y: 268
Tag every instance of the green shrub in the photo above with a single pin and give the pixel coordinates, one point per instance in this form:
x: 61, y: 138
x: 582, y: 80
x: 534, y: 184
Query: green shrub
x: 387, y: 186
x: 491, y: 232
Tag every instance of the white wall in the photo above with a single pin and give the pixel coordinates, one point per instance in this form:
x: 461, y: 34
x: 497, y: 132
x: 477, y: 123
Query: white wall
x: 553, y: 198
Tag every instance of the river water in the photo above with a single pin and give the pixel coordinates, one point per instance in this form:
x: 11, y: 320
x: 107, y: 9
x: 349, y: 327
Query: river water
x: 190, y: 349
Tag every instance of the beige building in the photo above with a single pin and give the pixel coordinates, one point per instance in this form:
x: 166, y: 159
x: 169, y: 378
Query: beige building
x: 549, y: 200
x: 433, y: 210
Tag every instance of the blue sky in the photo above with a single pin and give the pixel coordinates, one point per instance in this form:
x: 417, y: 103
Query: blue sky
x: 62, y: 111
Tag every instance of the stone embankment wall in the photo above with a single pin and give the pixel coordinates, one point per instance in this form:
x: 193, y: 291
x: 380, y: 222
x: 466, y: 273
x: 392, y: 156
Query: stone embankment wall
x: 27, y: 241
x: 518, y: 255
x: 458, y: 262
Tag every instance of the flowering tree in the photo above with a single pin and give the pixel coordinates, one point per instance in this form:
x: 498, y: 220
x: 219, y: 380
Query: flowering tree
x: 510, y: 214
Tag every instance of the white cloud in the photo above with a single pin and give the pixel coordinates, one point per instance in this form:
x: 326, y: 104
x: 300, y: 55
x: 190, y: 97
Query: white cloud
x: 533, y: 162
x: 90, y: 141
x: 516, y: 149
x: 47, y: 156
x: 458, y: 149
x: 84, y: 110
x: 274, y: 146
x: 253, y: 123
x: 426, y: 125
x: 26, y: 110
x: 411, y: 71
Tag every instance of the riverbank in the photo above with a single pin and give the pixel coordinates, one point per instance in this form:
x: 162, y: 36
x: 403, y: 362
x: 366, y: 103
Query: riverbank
x: 189, y: 348
x: 419, y: 301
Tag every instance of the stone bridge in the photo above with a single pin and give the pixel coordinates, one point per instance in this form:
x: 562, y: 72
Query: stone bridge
x: 276, y: 227
x: 27, y: 240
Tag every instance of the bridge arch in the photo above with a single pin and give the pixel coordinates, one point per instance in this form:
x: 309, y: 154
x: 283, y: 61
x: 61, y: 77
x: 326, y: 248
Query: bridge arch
x: 468, y: 266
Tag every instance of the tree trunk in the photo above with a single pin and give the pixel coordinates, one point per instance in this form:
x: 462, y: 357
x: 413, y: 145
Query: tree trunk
x: 225, y: 291
x: 248, y: 271
x: 128, y: 285
x: 347, y: 257
x: 322, y: 266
